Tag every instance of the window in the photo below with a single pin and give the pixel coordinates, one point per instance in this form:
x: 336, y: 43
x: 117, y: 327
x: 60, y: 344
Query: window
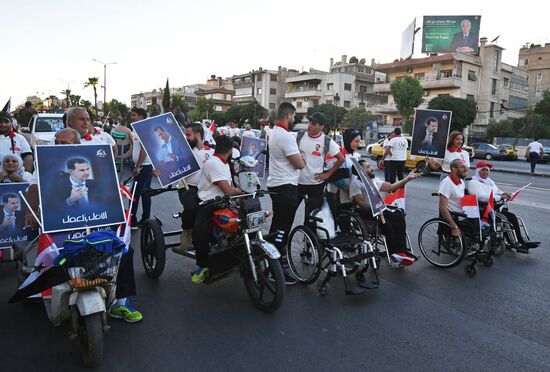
x: 272, y: 106
x: 496, y: 59
x: 519, y: 83
x: 259, y: 77
x: 396, y: 122
x: 298, y: 104
x: 419, y: 76
x: 506, y: 82
x: 470, y: 97
x: 524, y: 62
x: 363, y: 88
x: 273, y: 77
x: 329, y: 102
x: 329, y: 86
x: 259, y: 90
x: 494, y: 87
x: 399, y: 77
x: 315, y: 102
x: 446, y: 73
x: 347, y: 104
x: 272, y: 91
x: 472, y: 75
x: 518, y: 104
x: 492, y: 110
x: 347, y: 86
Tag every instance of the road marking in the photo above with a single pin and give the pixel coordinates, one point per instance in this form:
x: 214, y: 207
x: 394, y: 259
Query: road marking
x: 530, y: 204
x: 529, y: 188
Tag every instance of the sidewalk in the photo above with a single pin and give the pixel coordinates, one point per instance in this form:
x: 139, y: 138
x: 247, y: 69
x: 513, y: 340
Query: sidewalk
x: 523, y: 168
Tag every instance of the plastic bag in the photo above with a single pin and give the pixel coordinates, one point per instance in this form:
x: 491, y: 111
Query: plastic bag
x: 325, y: 214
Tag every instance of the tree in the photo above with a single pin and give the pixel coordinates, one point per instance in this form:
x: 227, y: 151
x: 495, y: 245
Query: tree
x: 407, y: 95
x: 252, y: 112
x: 219, y: 118
x: 504, y: 128
x: 67, y: 93
x: 166, y: 98
x: 204, y: 108
x: 334, y: 114
x: 92, y: 82
x: 87, y: 104
x: 357, y: 117
x: 464, y: 110
x: 535, y: 126
x: 179, y: 101
x: 116, y: 110
x: 52, y: 99
x: 543, y: 106
x: 232, y: 114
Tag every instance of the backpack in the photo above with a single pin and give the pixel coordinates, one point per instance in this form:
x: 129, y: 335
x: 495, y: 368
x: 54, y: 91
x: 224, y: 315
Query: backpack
x: 326, y: 147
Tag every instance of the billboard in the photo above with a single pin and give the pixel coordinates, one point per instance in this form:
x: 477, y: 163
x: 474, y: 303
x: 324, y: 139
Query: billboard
x: 451, y: 34
x: 407, y: 41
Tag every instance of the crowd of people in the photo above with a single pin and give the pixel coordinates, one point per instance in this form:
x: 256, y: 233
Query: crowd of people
x: 302, y: 166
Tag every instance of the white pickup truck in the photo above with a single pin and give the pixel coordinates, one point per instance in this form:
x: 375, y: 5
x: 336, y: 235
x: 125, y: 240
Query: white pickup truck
x: 42, y: 128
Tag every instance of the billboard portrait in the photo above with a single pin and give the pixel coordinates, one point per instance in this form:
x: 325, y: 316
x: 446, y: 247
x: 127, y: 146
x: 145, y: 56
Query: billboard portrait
x: 166, y: 145
x: 451, y: 34
x: 376, y: 201
x: 12, y: 217
x: 251, y: 146
x: 430, y: 132
x: 78, y: 187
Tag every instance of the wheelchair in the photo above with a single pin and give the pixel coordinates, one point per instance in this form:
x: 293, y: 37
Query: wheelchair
x: 441, y: 249
x: 506, y: 235
x: 335, y: 245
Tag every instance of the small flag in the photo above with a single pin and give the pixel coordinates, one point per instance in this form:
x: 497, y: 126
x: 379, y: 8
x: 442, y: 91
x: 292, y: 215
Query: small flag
x: 470, y: 206
x: 490, y: 210
x: 125, y: 192
x: 396, y: 199
x: 516, y: 193
x: 213, y: 126
x: 124, y: 230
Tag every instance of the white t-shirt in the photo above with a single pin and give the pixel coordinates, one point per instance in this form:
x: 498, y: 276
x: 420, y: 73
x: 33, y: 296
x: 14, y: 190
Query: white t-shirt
x: 105, y: 138
x: 214, y: 170
x: 356, y: 186
x: 281, y: 145
x: 136, y: 149
x: 20, y: 145
x: 312, y: 149
x: 268, y: 132
x: 483, y: 191
x: 450, y: 156
x: 249, y: 133
x: 535, y: 146
x: 232, y: 132
x: 385, y: 144
x: 399, y: 147
x: 202, y: 156
x: 453, y: 193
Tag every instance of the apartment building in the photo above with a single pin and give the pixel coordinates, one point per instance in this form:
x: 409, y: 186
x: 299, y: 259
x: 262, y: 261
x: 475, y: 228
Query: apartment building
x: 535, y: 58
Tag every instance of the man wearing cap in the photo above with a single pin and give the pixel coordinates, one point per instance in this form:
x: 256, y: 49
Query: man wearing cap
x: 14, y: 143
x: 315, y: 146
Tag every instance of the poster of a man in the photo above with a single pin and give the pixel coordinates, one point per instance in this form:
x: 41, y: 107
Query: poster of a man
x: 252, y: 146
x: 165, y: 143
x: 12, y: 215
x: 78, y: 187
x: 430, y: 132
x: 451, y: 34
x: 465, y: 41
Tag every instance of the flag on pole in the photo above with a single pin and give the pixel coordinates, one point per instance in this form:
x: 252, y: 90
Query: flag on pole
x: 470, y: 207
x: 125, y: 192
x: 516, y: 193
x: 213, y: 127
x: 396, y: 199
x: 490, y: 211
x: 45, y: 274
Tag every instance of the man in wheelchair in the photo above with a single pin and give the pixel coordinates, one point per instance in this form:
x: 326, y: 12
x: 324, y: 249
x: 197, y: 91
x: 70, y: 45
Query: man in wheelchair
x: 393, y: 223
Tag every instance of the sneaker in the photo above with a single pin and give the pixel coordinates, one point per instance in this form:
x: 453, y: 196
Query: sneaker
x: 126, y: 312
x: 200, y: 275
x: 402, y: 258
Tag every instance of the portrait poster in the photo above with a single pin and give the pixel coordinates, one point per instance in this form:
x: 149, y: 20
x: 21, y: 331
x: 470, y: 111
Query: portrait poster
x: 375, y: 199
x: 78, y: 187
x: 12, y: 217
x: 430, y: 132
x: 451, y: 34
x: 166, y: 145
x: 253, y: 147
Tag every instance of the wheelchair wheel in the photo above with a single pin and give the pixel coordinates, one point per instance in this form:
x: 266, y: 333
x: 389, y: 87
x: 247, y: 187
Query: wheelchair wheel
x: 438, y: 246
x: 304, y: 254
x: 351, y: 223
x: 153, y: 250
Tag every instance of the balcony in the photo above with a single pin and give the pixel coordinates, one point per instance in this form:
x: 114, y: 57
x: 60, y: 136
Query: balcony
x: 305, y: 77
x: 305, y: 91
x: 427, y: 83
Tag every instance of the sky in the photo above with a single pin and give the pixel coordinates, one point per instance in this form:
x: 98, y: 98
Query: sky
x: 49, y: 45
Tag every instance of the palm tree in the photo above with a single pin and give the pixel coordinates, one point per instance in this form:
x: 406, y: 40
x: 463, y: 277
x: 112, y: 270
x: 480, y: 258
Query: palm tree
x: 92, y: 82
x: 52, y: 98
x: 86, y: 104
x: 67, y: 93
x: 76, y: 100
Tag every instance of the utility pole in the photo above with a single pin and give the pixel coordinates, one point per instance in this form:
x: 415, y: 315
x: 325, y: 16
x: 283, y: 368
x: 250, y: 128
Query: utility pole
x: 104, y: 77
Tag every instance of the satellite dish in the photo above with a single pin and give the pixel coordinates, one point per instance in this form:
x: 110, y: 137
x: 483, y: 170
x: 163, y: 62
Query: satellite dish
x: 353, y: 59
x: 362, y: 61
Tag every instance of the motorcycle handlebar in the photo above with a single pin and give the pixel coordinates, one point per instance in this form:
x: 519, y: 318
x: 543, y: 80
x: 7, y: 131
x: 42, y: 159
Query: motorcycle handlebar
x: 226, y: 198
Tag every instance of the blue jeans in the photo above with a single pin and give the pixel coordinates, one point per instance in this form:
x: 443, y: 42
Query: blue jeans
x: 533, y: 157
x: 143, y: 180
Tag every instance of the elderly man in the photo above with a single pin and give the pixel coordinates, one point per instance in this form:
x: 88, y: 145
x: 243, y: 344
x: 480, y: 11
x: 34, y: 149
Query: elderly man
x: 79, y: 120
x: 465, y: 41
x: 14, y: 143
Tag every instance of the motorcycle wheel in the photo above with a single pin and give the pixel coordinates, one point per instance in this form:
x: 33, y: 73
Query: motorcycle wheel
x: 91, y: 340
x: 268, y: 292
x: 153, y: 250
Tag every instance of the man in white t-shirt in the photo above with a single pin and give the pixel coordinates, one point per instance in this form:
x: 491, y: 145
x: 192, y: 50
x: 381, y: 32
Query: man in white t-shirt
x: 285, y: 163
x: 248, y: 131
x: 534, y: 153
x: 189, y: 197
x: 215, y: 180
x: 451, y: 192
x: 234, y: 130
x: 398, y: 149
x: 14, y: 143
x: 315, y: 146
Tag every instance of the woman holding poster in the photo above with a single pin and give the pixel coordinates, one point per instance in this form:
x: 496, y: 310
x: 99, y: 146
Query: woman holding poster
x: 454, y: 151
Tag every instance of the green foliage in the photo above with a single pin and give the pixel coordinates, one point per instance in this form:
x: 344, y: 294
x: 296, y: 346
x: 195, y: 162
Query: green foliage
x: 543, y: 106
x: 252, y: 112
x: 204, y: 106
x: 407, y: 95
x: 334, y: 114
x: 92, y: 82
x: 178, y: 101
x: 219, y: 118
x: 116, y: 110
x: 166, y: 98
x: 504, y: 128
x: 464, y: 110
x: 357, y: 117
x: 233, y: 114
x: 535, y: 126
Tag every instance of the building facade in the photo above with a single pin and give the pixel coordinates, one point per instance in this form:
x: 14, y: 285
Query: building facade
x: 535, y: 59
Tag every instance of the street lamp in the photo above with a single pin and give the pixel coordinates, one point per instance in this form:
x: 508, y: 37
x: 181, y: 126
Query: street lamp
x: 335, y: 102
x: 104, y: 77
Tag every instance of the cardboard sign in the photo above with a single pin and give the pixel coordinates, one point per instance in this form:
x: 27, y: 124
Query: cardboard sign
x: 376, y: 201
x: 253, y: 147
x: 430, y: 132
x: 12, y: 216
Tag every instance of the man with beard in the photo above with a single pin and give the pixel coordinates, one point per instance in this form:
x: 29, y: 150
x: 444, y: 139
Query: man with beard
x: 394, y: 228
x: 451, y: 192
x: 194, y: 134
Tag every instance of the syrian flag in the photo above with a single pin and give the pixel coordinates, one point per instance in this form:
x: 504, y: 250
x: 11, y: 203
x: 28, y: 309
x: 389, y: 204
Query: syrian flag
x: 490, y: 210
x: 125, y: 192
x: 213, y: 127
x: 44, y: 274
x: 470, y: 207
x: 518, y: 191
x: 208, y: 134
x: 396, y: 199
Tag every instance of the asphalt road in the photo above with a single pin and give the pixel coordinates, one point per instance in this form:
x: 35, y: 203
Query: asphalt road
x: 421, y: 317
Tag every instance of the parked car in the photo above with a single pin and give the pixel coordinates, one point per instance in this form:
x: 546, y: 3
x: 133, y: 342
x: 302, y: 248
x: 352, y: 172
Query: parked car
x: 489, y: 152
x: 509, y: 150
x: 545, y: 156
x: 42, y: 128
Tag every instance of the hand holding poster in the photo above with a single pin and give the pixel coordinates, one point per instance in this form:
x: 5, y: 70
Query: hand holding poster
x: 78, y: 187
x: 430, y: 132
x: 165, y: 143
x: 376, y: 201
x: 12, y: 216
x: 253, y: 147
